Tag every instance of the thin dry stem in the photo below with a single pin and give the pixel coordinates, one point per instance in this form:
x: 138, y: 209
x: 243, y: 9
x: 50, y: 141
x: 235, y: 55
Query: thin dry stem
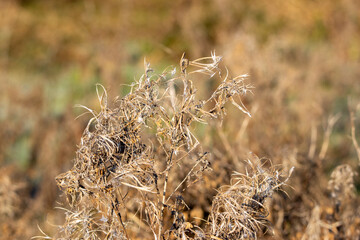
x: 353, y: 134
x: 331, y: 122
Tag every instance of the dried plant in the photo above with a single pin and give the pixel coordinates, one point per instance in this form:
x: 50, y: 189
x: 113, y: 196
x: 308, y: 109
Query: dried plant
x: 124, y: 174
x: 353, y: 129
x: 339, y: 220
x: 239, y: 211
x: 313, y: 229
x: 341, y: 184
x: 10, y: 201
x: 302, y: 80
x: 342, y: 193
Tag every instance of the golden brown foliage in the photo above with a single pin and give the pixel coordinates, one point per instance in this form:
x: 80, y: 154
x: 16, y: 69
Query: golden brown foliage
x: 302, y: 56
x: 126, y: 158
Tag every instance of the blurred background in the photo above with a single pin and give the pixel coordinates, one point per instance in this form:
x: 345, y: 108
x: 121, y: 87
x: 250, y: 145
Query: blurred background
x: 303, y: 58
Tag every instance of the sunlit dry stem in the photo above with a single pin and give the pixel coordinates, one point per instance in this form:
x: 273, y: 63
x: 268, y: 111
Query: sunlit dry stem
x: 168, y: 168
x: 115, y: 205
x: 331, y: 122
x: 353, y: 134
x: 185, y: 178
x: 313, y: 138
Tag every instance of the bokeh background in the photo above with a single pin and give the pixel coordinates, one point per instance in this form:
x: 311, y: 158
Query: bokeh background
x: 303, y: 58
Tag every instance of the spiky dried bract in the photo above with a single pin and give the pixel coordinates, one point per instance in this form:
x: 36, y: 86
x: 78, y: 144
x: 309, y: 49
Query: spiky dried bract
x: 124, y: 161
x: 238, y: 211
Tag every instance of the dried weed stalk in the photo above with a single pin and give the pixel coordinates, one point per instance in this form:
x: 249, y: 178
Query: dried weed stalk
x: 338, y: 221
x: 341, y: 184
x: 124, y: 178
x: 239, y: 211
x: 353, y: 129
x: 10, y: 200
x: 345, y: 207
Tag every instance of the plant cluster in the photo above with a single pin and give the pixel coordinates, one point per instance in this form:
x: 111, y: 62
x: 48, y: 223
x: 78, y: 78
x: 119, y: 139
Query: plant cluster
x: 138, y: 156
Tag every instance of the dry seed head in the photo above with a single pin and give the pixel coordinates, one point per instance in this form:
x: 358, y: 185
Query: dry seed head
x: 238, y: 211
x: 341, y: 183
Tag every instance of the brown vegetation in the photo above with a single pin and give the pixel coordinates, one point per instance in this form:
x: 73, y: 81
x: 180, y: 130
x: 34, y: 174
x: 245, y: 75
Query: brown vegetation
x: 302, y: 58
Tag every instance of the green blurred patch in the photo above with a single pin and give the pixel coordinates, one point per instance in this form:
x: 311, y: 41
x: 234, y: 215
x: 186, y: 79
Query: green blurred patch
x: 20, y: 152
x: 354, y: 49
x: 318, y: 32
x: 68, y: 89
